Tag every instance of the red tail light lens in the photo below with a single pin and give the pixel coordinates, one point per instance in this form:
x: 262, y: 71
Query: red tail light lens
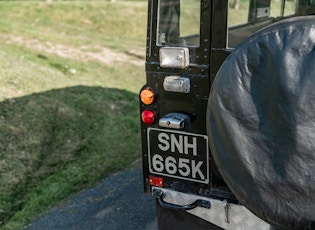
x: 156, y: 181
x: 148, y: 116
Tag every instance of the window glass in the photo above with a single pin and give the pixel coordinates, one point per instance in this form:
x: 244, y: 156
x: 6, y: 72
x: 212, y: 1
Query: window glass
x: 178, y: 23
x: 246, y: 17
x: 238, y: 12
x: 277, y: 9
x: 290, y: 6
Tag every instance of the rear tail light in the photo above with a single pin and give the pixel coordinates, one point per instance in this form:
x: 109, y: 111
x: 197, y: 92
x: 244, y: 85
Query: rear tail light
x: 147, y: 96
x: 148, y: 116
x: 156, y: 181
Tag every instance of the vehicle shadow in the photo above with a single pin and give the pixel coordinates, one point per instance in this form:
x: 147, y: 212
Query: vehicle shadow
x: 69, y: 138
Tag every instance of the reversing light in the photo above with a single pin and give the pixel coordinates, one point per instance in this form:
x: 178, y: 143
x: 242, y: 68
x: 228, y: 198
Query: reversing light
x: 148, y: 116
x: 147, y: 96
x: 156, y: 181
x: 176, y: 84
x: 174, y: 57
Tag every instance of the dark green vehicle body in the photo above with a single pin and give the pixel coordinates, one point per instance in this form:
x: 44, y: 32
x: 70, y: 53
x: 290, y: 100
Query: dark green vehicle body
x: 180, y: 156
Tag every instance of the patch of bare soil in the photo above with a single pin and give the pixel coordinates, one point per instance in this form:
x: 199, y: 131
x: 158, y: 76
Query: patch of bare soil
x: 83, y: 53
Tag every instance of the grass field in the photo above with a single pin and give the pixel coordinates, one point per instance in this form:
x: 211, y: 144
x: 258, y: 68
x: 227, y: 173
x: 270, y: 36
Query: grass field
x: 70, y: 73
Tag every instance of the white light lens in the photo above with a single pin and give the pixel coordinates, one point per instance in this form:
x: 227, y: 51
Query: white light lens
x: 176, y: 84
x: 174, y: 57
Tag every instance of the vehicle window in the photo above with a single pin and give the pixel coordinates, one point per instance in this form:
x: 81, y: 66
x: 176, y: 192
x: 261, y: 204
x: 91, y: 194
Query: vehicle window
x: 178, y: 23
x: 244, y: 18
x: 238, y: 12
x: 277, y: 9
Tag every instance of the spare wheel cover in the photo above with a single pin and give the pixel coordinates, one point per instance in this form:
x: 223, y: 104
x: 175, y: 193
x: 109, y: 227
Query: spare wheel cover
x: 261, y: 123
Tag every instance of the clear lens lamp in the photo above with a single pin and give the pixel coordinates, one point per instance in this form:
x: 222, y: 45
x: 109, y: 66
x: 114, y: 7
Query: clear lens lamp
x: 174, y: 57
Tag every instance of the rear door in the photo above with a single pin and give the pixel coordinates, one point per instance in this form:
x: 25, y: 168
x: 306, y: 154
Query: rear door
x: 175, y: 142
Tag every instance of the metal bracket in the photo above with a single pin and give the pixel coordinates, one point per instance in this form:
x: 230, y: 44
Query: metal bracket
x: 174, y: 120
x: 198, y: 203
x: 226, y: 210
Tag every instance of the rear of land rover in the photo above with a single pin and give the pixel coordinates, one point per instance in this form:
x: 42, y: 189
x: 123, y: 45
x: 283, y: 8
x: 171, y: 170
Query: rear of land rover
x: 188, y: 42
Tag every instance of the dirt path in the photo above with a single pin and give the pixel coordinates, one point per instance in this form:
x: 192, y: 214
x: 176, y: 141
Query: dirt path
x: 83, y: 53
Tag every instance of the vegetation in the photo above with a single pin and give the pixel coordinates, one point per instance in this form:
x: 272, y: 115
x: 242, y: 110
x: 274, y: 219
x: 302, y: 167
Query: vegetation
x: 69, y: 78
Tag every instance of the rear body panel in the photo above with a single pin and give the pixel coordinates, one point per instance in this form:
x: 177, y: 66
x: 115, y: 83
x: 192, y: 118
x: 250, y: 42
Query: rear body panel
x: 180, y: 157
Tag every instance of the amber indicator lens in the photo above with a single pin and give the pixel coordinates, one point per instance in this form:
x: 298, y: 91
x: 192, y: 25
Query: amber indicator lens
x: 147, y: 96
x: 148, y: 117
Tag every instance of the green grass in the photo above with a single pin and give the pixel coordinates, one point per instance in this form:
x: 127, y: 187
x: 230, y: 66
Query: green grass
x: 68, y: 109
x: 69, y: 21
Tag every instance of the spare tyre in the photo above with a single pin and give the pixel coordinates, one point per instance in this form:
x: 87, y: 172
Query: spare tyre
x: 261, y: 123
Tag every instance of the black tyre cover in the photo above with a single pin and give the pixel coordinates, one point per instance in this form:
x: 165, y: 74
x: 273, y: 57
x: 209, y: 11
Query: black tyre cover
x: 261, y: 123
